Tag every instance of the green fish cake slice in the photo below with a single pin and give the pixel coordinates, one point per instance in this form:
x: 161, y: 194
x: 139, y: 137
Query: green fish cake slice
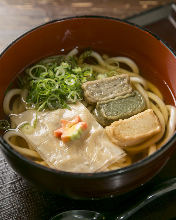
x: 119, y: 108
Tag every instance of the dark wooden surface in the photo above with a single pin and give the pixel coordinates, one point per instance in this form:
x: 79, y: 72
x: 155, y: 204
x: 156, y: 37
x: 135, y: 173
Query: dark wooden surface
x: 18, y: 16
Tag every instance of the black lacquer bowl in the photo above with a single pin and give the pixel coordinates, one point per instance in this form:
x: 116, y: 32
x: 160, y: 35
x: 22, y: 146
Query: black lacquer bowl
x: 114, y: 37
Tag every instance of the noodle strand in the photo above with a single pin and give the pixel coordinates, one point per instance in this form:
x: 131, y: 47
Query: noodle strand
x: 129, y: 62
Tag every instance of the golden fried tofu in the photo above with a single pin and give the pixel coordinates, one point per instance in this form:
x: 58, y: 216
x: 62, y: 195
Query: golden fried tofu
x: 134, y: 130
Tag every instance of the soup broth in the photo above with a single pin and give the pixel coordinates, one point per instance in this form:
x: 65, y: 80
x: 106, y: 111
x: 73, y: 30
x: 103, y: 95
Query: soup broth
x: 86, y: 112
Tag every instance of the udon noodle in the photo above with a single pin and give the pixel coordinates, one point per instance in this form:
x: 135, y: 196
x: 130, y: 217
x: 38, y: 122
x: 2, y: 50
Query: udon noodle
x: 102, y: 67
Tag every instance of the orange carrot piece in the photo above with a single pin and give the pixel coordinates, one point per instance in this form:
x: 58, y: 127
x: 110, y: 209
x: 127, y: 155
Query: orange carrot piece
x: 83, y: 125
x: 67, y: 128
x: 58, y: 132
x: 64, y: 123
x: 65, y: 138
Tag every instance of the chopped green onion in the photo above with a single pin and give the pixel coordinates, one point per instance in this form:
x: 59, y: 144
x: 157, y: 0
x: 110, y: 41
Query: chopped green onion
x: 101, y: 76
x: 27, y: 128
x: 52, y: 85
x: 84, y: 55
x: 4, y: 125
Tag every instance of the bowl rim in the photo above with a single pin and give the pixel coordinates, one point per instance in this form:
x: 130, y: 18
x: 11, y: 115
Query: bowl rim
x: 103, y: 174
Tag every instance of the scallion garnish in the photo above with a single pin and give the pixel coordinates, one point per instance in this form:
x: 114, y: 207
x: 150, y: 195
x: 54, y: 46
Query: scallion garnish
x: 53, y: 84
x: 4, y: 125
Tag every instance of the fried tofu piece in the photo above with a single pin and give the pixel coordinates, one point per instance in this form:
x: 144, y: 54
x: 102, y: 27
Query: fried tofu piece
x: 108, y: 88
x: 134, y: 130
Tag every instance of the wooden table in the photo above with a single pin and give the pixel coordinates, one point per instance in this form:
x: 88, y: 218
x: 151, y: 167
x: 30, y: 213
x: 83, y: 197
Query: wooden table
x: 18, y: 16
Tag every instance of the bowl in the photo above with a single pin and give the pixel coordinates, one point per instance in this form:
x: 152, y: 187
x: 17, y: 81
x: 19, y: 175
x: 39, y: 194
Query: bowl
x: 114, y: 37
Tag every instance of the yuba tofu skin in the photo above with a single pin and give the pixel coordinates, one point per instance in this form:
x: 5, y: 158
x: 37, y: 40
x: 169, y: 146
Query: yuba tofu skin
x: 92, y: 152
x: 135, y: 129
